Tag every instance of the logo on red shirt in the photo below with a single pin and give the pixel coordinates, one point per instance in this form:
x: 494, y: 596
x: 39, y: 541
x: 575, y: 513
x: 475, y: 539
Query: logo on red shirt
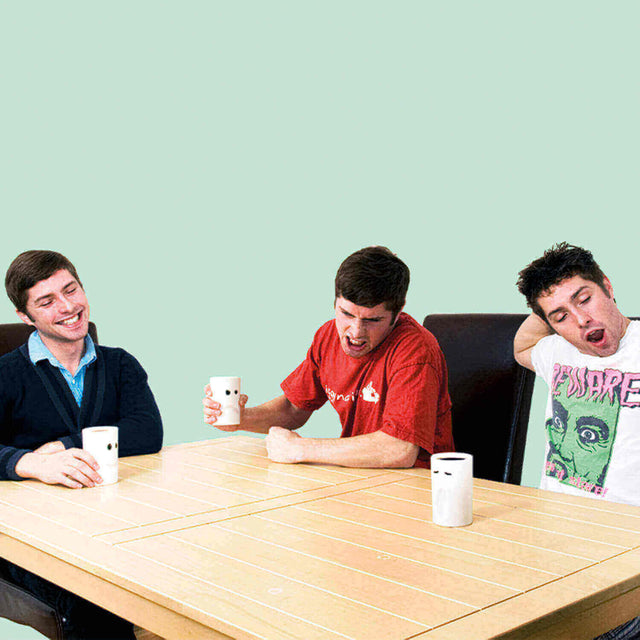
x: 369, y: 394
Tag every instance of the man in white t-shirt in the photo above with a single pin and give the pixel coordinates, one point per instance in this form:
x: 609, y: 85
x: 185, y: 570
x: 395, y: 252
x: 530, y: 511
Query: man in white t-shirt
x: 588, y: 353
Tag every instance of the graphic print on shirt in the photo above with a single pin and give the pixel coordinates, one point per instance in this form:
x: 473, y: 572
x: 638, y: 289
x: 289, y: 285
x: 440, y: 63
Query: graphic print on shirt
x: 585, y: 411
x: 369, y: 394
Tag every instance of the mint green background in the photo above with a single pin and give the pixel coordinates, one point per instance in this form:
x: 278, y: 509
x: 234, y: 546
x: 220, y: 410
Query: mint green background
x: 207, y: 166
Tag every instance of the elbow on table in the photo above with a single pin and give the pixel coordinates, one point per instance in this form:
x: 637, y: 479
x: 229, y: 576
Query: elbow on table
x: 403, y: 457
x: 153, y: 439
x: 155, y: 443
x: 150, y: 442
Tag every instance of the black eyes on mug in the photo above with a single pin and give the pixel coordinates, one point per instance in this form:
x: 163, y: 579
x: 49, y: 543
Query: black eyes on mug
x: 112, y: 446
x: 228, y: 392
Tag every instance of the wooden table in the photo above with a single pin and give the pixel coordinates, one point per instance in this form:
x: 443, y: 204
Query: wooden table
x: 211, y: 540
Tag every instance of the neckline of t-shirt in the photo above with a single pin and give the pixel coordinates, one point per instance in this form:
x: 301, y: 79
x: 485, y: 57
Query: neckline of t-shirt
x: 631, y: 328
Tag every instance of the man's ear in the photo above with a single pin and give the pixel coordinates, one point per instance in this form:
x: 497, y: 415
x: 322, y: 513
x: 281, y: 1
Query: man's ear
x: 393, y: 324
x: 25, y: 318
x: 608, y: 287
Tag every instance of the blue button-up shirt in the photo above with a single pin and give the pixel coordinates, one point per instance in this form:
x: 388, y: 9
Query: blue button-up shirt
x: 38, y: 351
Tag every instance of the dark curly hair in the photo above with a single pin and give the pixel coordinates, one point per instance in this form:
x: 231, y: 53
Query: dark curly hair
x: 371, y: 276
x: 561, y: 261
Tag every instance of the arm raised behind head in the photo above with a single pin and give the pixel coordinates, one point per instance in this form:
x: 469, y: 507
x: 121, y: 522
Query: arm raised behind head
x: 531, y: 331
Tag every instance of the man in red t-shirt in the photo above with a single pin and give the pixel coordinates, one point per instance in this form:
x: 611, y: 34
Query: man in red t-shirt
x: 381, y: 370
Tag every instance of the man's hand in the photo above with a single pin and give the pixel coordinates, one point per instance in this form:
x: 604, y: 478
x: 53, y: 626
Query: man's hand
x: 50, y: 447
x: 282, y: 445
x: 212, y: 410
x: 73, y: 468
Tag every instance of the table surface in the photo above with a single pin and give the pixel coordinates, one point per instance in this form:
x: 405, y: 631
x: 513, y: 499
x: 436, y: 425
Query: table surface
x: 212, y: 540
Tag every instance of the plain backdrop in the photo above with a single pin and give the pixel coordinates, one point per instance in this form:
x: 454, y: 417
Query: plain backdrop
x: 208, y: 165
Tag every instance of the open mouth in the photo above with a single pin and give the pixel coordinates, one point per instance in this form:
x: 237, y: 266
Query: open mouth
x: 69, y: 322
x: 595, y: 336
x: 356, y: 344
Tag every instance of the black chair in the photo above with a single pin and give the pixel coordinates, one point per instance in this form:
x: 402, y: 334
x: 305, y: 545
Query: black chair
x: 16, y: 604
x: 490, y: 392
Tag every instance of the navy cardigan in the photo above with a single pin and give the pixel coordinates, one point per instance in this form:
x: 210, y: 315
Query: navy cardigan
x: 37, y: 406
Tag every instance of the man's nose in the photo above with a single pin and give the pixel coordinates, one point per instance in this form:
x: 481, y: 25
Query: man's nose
x: 64, y: 304
x: 357, y: 327
x: 583, y: 318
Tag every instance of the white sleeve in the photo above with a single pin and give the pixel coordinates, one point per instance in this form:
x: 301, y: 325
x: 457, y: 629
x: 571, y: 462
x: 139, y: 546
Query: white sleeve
x: 543, y: 357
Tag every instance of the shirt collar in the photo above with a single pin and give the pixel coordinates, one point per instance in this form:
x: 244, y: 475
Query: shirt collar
x: 38, y: 351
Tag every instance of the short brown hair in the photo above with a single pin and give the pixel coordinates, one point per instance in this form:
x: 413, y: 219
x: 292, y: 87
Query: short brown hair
x: 558, y: 263
x: 371, y: 276
x: 31, y: 267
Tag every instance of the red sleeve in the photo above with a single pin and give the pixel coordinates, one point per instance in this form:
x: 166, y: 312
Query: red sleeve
x: 303, y: 387
x: 412, y: 407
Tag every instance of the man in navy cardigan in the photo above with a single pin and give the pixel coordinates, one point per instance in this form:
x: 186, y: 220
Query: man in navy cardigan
x: 52, y: 387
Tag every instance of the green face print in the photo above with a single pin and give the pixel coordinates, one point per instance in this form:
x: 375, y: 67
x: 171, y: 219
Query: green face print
x: 581, y: 435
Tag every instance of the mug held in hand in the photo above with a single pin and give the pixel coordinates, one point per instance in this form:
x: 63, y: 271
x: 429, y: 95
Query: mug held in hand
x: 225, y: 390
x: 102, y: 444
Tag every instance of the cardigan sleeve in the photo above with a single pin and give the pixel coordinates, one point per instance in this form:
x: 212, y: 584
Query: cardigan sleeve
x: 139, y: 423
x: 9, y: 455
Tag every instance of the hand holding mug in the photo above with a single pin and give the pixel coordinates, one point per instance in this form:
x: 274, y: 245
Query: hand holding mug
x: 223, y: 403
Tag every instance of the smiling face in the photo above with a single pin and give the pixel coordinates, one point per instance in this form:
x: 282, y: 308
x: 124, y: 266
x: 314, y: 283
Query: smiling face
x: 585, y: 315
x: 362, y: 329
x: 58, y: 308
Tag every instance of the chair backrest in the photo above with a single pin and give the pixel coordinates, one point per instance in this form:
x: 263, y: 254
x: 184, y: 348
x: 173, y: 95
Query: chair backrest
x: 15, y: 334
x: 490, y: 392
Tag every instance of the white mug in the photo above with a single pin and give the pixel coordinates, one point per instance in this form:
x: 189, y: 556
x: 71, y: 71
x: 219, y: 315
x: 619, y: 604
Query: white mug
x: 452, y: 489
x: 102, y: 444
x: 226, y: 391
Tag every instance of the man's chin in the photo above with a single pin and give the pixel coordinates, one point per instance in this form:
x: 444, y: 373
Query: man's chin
x: 609, y: 351
x: 71, y: 336
x: 600, y: 351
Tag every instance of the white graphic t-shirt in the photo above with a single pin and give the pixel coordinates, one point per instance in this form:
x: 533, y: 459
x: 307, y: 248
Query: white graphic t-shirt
x: 592, y: 419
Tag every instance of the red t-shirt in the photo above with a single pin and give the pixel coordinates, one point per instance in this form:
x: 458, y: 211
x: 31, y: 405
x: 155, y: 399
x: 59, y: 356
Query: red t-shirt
x: 400, y: 387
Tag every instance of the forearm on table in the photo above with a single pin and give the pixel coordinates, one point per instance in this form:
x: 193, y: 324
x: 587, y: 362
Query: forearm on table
x: 372, y: 450
x: 28, y: 465
x: 10, y: 458
x: 277, y: 412
x: 18, y: 463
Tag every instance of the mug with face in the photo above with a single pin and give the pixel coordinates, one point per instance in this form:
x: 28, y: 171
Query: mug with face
x: 452, y: 489
x: 102, y: 444
x: 225, y: 390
